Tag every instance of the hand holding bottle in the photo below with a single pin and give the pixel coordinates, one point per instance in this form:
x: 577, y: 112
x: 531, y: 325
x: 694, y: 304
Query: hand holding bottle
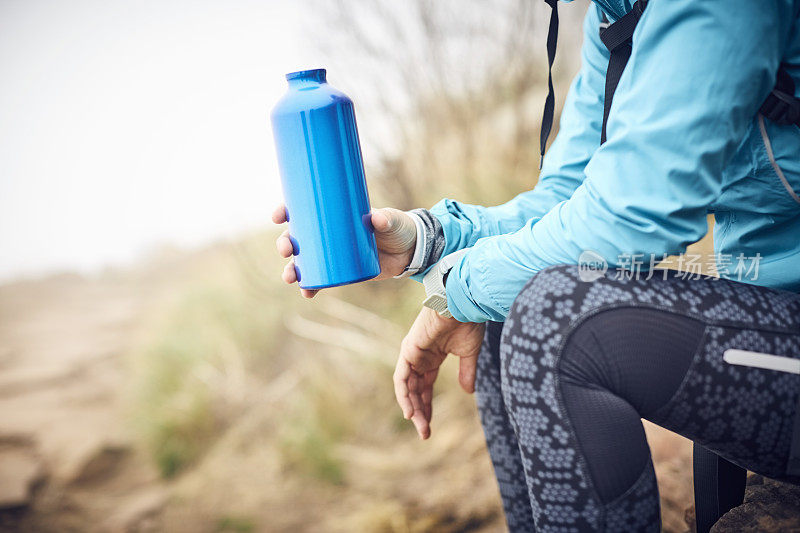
x: 395, y: 236
x: 322, y: 173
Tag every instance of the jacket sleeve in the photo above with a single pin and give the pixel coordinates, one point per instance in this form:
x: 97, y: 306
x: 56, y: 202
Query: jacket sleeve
x: 562, y: 171
x: 698, y: 73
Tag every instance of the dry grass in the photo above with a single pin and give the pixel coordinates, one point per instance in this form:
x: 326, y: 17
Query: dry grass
x: 260, y: 411
x: 190, y: 378
x: 282, y: 417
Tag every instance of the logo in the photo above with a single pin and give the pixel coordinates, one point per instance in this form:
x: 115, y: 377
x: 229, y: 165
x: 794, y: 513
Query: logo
x: 591, y: 266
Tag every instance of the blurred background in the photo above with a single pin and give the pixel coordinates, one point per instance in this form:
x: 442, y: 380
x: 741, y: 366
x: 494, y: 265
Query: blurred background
x: 155, y: 373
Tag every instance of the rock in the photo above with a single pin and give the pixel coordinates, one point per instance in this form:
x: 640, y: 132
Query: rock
x: 690, y: 519
x: 769, y: 505
x: 20, y: 470
x: 98, y: 464
x: 138, y: 511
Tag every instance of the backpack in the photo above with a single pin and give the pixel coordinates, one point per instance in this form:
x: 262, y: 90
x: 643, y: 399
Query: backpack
x: 781, y: 106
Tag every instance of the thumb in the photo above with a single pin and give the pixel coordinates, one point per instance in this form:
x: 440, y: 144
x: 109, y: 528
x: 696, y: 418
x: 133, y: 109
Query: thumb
x: 466, y: 373
x: 388, y: 220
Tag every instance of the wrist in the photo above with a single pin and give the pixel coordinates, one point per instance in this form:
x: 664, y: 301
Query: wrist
x: 437, y: 319
x: 434, y: 282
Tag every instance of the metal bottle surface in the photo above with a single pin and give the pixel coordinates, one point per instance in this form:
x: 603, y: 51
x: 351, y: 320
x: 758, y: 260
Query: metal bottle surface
x: 322, y: 173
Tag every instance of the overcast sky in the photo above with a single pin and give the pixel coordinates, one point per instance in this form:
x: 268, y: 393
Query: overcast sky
x: 126, y: 124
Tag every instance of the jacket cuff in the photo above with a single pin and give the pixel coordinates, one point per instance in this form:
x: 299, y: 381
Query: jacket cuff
x: 459, y: 301
x: 434, y: 241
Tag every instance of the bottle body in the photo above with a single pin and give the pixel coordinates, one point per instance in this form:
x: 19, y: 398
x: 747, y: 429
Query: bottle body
x: 322, y: 174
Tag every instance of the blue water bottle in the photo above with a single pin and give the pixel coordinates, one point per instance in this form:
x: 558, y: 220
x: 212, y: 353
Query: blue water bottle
x: 322, y: 173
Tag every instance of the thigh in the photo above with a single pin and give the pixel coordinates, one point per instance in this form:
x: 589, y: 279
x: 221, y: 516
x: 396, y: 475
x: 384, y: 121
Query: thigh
x: 743, y: 413
x: 658, y: 345
x: 619, y: 366
x: 625, y: 363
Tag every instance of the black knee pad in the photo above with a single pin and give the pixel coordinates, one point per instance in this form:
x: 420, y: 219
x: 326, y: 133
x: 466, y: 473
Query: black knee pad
x: 639, y: 354
x: 605, y: 336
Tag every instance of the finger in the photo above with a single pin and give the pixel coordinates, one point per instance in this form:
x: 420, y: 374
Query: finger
x: 422, y: 425
x: 427, y: 407
x: 420, y: 358
x: 427, y: 393
x: 415, y: 392
x: 401, y: 373
x: 391, y: 221
x: 289, y: 274
x: 411, y: 351
x: 415, y: 395
x: 284, y: 245
x: 466, y: 373
x: 309, y: 293
x: 279, y: 214
x: 380, y: 220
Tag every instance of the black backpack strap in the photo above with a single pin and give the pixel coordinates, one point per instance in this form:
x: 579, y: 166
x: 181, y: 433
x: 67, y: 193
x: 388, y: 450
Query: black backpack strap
x: 781, y: 106
x: 793, y: 467
x: 549, y: 103
x: 618, y: 38
x: 718, y: 487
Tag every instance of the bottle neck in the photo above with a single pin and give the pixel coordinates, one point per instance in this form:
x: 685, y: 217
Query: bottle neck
x: 303, y: 84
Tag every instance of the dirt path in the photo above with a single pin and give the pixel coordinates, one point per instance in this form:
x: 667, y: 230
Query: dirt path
x: 66, y: 458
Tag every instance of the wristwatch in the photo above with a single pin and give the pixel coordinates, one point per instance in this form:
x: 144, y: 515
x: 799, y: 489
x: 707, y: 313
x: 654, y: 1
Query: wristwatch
x: 434, y: 280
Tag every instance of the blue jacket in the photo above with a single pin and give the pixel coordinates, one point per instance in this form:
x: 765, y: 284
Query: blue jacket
x: 684, y: 140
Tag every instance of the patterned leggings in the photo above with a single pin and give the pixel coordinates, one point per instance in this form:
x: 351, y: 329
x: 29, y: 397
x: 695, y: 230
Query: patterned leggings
x: 564, y: 382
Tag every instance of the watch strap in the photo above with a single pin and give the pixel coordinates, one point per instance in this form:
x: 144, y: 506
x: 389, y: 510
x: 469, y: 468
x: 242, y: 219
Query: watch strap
x: 434, y: 285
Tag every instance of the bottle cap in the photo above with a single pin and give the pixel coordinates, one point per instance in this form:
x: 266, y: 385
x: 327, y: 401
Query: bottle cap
x: 317, y: 74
